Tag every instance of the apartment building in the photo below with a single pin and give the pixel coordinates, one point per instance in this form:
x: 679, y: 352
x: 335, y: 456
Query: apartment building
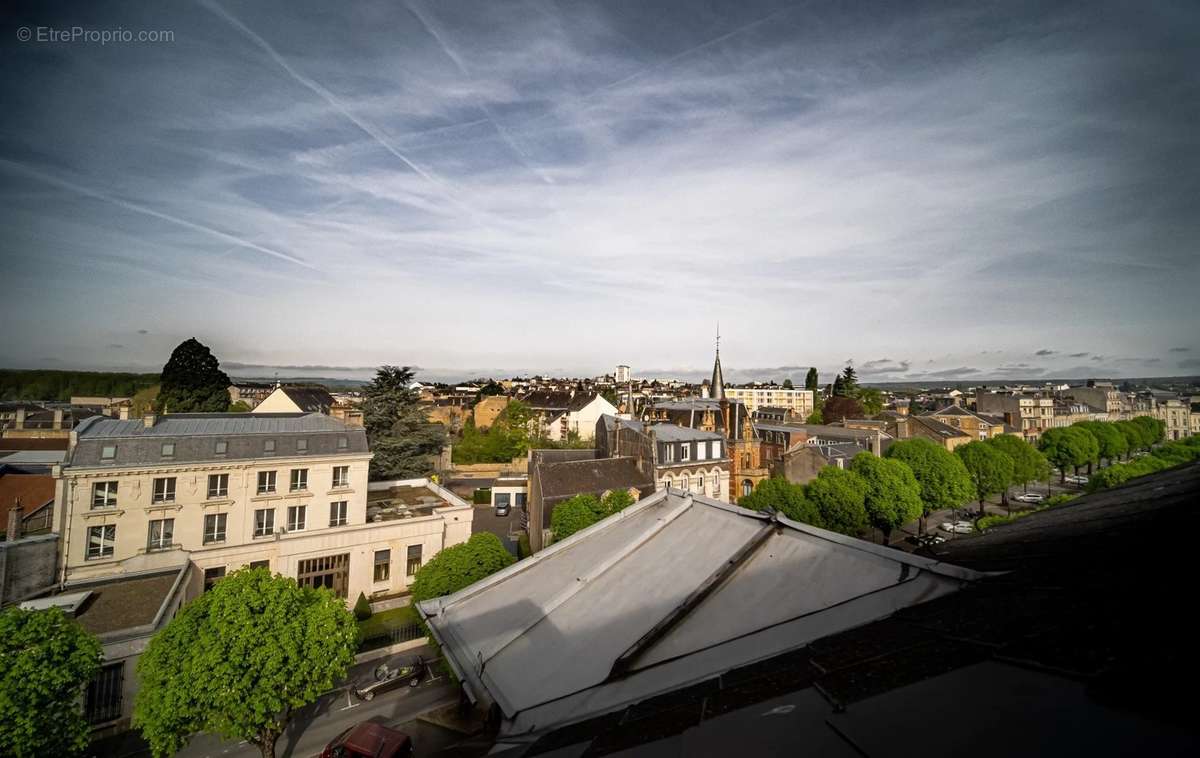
x: 1031, y: 413
x: 1101, y: 397
x: 799, y: 402
x: 1176, y: 414
x: 221, y: 491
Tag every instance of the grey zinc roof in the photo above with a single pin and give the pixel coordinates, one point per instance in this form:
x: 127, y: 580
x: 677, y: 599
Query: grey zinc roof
x: 676, y: 433
x: 195, y: 436
x: 617, y: 612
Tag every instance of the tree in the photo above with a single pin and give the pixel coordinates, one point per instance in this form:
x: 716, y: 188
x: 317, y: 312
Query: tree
x: 1132, y: 434
x: 460, y: 566
x: 871, y: 400
x: 399, y: 433
x: 615, y: 501
x: 893, y: 496
x: 45, y: 660
x: 839, y: 496
x: 849, y: 384
x: 840, y: 407
x: 942, y: 477
x: 811, y: 380
x: 362, y: 608
x: 990, y: 469
x: 838, y: 390
x: 779, y: 494
x: 787, y: 384
x: 192, y: 381
x: 575, y: 515
x: 240, y: 659
x: 1028, y: 464
x: 143, y: 402
x: 1067, y: 446
x: 1152, y: 430
x: 1111, y: 443
x: 240, y: 406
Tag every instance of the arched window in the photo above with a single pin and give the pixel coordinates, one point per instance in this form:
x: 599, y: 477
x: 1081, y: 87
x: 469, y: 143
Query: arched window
x: 716, y: 484
x: 700, y: 484
x: 668, y: 483
x: 747, y: 487
x: 687, y: 484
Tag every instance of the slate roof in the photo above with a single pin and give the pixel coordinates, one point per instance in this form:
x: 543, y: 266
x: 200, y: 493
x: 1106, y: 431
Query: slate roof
x: 34, y: 491
x: 1076, y: 648
x: 309, y: 399
x: 195, y: 436
x: 674, y: 590
x: 546, y: 400
x: 939, y: 428
x: 565, y: 479
x: 677, y: 433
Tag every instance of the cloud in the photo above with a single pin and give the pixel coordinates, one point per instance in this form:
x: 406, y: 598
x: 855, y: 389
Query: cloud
x: 1189, y: 363
x: 884, y: 366
x: 143, y: 331
x: 1079, y: 355
x: 1179, y: 350
x: 949, y: 373
x: 1098, y: 358
x: 114, y: 347
x: 1044, y: 352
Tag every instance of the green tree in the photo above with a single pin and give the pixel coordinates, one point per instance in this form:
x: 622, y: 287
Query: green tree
x: 362, y: 608
x: 240, y: 406
x: 45, y: 660
x: 849, y: 382
x: 871, y: 400
x: 1109, y: 438
x: 1029, y: 465
x: 839, y: 408
x: 616, y: 501
x: 1068, y: 446
x: 943, y: 478
x: 1132, y: 434
x: 240, y: 659
x: 575, y: 515
x: 990, y: 469
x: 787, y: 384
x: 779, y: 494
x: 893, y: 496
x: 811, y: 380
x: 460, y: 566
x: 143, y: 401
x: 405, y: 444
x: 839, y: 496
x: 192, y: 381
x: 1152, y: 430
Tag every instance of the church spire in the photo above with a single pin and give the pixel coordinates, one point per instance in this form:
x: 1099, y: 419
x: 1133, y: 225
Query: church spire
x: 716, y: 388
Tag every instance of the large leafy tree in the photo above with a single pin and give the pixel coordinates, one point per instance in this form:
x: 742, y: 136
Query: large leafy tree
x: 1068, y: 446
x: 871, y: 400
x: 942, y: 477
x: 1029, y: 465
x: 893, y: 495
x: 240, y: 659
x: 1111, y: 442
x: 192, y: 381
x: 839, y: 496
x: 990, y: 469
x: 1152, y: 430
x: 1132, y: 434
x: 575, y: 515
x: 45, y: 660
x: 405, y: 444
x: 460, y: 566
x: 781, y: 495
x: 811, y: 380
x: 840, y: 407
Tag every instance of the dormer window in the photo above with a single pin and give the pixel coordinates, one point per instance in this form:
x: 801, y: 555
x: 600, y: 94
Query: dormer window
x: 301, y: 446
x: 168, y: 450
x: 222, y: 447
x: 269, y: 446
x: 108, y: 452
x: 343, y: 443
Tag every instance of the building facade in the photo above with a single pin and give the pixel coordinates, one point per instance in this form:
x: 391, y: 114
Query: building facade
x: 799, y: 402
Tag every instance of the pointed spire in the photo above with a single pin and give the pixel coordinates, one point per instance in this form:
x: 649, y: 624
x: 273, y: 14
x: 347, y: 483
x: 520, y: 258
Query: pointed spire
x: 716, y: 388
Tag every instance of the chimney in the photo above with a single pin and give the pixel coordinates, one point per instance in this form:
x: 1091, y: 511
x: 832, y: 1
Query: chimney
x: 123, y: 413
x: 19, y: 421
x: 877, y: 444
x: 14, y: 521
x: 58, y: 418
x: 617, y: 438
x: 149, y: 420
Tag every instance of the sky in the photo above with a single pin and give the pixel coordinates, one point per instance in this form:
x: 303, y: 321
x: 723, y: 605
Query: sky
x: 931, y: 191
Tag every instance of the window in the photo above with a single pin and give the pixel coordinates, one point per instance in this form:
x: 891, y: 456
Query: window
x: 301, y: 446
x: 161, y: 532
x: 164, y: 490
x: 414, y: 559
x: 383, y: 565
x: 269, y: 446
x: 266, y: 482
x: 668, y: 453
x: 104, y: 495
x: 337, y: 513
x: 108, y: 452
x: 343, y: 443
x: 341, y: 476
x: 222, y: 447
x: 100, y: 541
x: 700, y: 484
x: 214, y: 528
x: 260, y: 565
x: 747, y: 487
x: 218, y: 485
x: 701, y: 450
x: 168, y: 450
x: 102, y: 701
x: 716, y: 485
x: 716, y: 448
x: 299, y: 480
x: 211, y: 575
x: 264, y: 522
x: 687, y: 483
x: 685, y: 452
x: 297, y: 515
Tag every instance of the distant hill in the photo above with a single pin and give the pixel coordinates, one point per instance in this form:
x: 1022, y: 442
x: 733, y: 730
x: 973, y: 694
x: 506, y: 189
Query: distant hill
x: 43, y: 384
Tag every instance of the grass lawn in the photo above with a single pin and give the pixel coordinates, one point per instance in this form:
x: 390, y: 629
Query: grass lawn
x: 382, y: 623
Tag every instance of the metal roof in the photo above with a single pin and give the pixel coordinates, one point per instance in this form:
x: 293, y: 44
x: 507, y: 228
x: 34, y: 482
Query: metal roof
x: 219, y: 424
x: 677, y: 433
x: 670, y: 591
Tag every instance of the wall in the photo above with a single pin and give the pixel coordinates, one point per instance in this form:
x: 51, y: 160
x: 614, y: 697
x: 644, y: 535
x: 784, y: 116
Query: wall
x: 27, y: 567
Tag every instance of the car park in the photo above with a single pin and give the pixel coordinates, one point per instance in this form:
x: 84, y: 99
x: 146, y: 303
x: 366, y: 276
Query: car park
x: 369, y: 740
x: 1030, y: 497
x: 391, y: 675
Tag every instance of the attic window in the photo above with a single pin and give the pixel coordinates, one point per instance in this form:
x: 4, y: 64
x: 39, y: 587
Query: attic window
x: 168, y: 450
x: 269, y: 446
x: 301, y: 446
x: 343, y: 443
x: 108, y: 452
x: 222, y: 447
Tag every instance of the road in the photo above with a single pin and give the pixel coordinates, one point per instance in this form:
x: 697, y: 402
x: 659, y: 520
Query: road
x: 314, y: 726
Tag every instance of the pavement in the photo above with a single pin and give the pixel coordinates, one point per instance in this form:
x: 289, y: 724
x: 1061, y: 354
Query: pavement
x: 312, y: 727
x: 507, y: 528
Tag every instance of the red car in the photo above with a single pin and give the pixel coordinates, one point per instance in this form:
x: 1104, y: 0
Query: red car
x: 368, y: 740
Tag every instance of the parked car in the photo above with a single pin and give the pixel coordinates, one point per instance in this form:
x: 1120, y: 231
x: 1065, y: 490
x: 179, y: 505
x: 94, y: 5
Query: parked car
x: 1081, y: 479
x: 369, y: 740
x: 1030, y: 497
x: 392, y: 675
x: 501, y: 509
x: 957, y: 527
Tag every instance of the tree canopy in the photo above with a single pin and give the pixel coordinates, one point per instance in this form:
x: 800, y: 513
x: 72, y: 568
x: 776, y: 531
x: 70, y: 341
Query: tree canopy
x: 405, y: 444
x: 811, y: 380
x: 839, y: 496
x: 42, y: 384
x: 581, y: 511
x: 942, y: 477
x: 840, y: 407
x: 990, y: 468
x: 1029, y: 465
x: 506, y: 439
x: 240, y: 659
x: 893, y: 496
x: 192, y: 381
x: 778, y: 494
x: 1068, y: 446
x: 1109, y: 438
x: 460, y: 566
x: 871, y: 400
x: 45, y: 660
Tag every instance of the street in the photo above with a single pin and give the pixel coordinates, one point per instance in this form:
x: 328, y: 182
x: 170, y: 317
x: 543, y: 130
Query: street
x: 311, y: 728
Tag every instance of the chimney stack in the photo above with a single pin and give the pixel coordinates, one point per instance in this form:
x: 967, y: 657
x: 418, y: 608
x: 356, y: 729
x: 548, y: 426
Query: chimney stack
x: 14, y: 521
x: 123, y: 413
x: 149, y: 420
x: 19, y: 421
x: 58, y: 418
